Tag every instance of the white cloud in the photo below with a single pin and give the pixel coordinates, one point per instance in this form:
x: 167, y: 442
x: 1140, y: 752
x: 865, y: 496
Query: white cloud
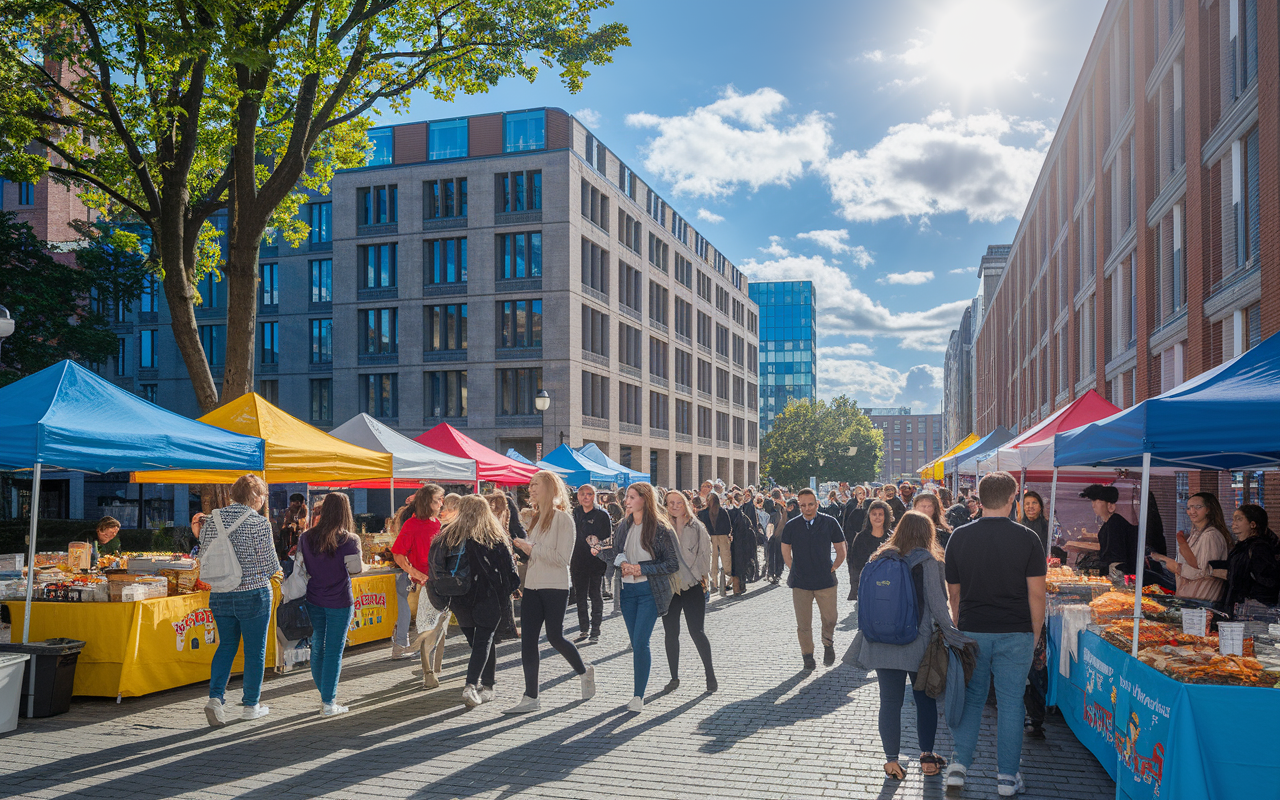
x: 775, y: 248
x: 962, y: 271
x: 861, y: 256
x: 873, y: 384
x: 713, y: 149
x: 588, y: 117
x: 939, y: 165
x: 709, y: 216
x: 874, y: 55
x: 835, y: 241
x: 844, y: 310
x: 845, y: 350
x: 912, y: 278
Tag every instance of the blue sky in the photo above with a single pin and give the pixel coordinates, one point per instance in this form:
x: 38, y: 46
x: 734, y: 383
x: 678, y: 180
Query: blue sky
x: 875, y: 148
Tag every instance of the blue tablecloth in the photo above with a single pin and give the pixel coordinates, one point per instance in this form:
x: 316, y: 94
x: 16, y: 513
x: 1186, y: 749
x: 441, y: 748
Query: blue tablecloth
x: 1160, y: 738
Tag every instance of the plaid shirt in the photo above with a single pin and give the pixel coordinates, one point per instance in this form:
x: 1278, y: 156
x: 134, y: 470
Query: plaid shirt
x: 252, y: 541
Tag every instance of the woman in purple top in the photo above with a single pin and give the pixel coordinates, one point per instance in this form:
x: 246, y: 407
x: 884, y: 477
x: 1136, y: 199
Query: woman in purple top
x: 331, y: 553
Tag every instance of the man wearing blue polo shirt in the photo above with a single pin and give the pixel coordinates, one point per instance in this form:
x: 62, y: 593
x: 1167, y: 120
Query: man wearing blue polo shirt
x: 806, y: 548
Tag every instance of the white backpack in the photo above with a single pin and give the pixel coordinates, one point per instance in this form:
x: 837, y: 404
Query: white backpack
x: 219, y: 566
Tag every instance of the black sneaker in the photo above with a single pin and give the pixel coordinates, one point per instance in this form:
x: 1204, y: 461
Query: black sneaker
x: 582, y: 637
x: 828, y: 655
x: 595, y: 637
x: 712, y: 683
x: 1033, y: 730
x: 809, y: 663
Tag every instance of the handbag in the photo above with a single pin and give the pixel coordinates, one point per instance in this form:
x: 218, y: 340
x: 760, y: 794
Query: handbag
x: 295, y: 585
x: 293, y: 620
x: 428, y: 615
x: 931, y: 675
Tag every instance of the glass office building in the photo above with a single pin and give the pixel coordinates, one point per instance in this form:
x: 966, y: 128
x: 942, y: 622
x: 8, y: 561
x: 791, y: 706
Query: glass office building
x: 788, y: 346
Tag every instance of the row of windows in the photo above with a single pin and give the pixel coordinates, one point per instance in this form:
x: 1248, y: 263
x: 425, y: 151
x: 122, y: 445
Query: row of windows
x: 521, y: 131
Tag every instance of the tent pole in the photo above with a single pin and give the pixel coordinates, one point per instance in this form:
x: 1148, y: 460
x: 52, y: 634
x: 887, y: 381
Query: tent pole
x: 31, y: 560
x: 1140, y: 559
x: 1053, y: 501
x: 392, y: 483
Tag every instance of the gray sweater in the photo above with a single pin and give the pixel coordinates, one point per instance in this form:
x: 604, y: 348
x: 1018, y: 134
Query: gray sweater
x: 877, y: 655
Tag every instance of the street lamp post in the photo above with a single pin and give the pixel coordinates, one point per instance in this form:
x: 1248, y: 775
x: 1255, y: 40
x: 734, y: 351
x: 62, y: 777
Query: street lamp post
x: 542, y: 401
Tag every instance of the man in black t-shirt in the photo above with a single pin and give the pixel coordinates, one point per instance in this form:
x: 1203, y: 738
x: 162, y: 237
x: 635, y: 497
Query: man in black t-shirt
x: 996, y: 582
x: 806, y: 548
x: 586, y: 570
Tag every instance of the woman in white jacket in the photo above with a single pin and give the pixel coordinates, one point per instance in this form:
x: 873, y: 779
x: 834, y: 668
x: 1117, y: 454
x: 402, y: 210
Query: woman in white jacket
x: 695, y: 575
x: 549, y: 546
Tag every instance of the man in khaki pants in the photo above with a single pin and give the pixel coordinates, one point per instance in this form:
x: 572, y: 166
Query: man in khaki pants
x: 806, y: 548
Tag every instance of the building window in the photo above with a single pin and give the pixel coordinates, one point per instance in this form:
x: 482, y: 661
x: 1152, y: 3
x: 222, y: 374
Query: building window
x: 722, y: 341
x: 753, y: 396
x: 595, y: 395
x: 704, y: 330
x: 322, y: 280
x: 381, y: 147
x: 269, y: 342
x: 380, y: 331
x: 269, y: 280
x: 526, y: 130
x: 595, y: 205
x: 704, y: 376
x: 659, y: 251
x: 595, y: 331
x: 658, y: 411
x: 628, y: 404
x: 322, y: 400
x: 722, y: 300
x: 519, y: 256
x: 753, y: 434
x: 722, y: 427
x: 269, y: 390
x: 722, y: 384
x: 210, y: 288
x: 739, y: 349
x: 516, y: 390
x: 684, y: 369
x: 629, y: 286
x: 26, y: 193
x: 379, y: 266
x: 684, y: 271
x: 704, y: 422
x: 147, y: 391
x: 445, y: 393
x: 683, y: 318
x: 519, y: 323
x: 629, y: 231
x: 147, y: 350
x: 739, y: 391
x: 121, y: 351
x: 444, y: 199
x: 1243, y: 43
x: 704, y: 286
x: 595, y: 266
x: 378, y: 395
x: 447, y: 139
x: 627, y: 180
x: 518, y: 191
x: 444, y: 261
x: 658, y: 358
x: 377, y: 205
x: 444, y: 327
x: 1245, y: 158
x: 321, y: 222
x: 149, y: 302
x: 629, y: 345
x: 657, y: 303
x: 322, y: 341
x: 739, y: 430
x: 213, y: 338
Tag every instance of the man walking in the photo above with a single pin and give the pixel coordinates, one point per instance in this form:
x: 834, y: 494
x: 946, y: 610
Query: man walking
x: 806, y: 548
x: 587, y: 571
x: 996, y: 584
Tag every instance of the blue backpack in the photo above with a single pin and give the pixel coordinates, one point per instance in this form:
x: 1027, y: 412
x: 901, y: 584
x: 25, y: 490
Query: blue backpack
x: 889, y: 609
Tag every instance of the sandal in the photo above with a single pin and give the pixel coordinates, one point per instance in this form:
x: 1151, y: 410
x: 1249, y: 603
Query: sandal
x: 894, y: 770
x: 931, y: 764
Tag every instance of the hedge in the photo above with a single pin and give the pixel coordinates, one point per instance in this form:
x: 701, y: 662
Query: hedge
x: 53, y: 535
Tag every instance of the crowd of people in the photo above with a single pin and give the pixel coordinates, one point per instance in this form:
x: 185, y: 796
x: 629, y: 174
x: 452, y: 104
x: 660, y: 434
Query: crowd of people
x: 970, y: 570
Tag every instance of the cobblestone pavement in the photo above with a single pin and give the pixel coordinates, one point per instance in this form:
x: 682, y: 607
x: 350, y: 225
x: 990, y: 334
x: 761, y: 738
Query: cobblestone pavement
x: 772, y: 731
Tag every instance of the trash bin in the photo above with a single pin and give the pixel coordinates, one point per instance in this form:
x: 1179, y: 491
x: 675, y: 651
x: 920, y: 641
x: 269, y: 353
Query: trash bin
x: 54, y: 664
x: 11, y: 670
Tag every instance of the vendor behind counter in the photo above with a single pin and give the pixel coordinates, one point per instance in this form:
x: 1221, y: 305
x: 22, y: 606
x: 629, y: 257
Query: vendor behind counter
x: 106, y: 538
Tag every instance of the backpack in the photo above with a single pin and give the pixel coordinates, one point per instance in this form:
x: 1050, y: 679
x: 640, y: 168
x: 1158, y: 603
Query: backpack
x: 889, y: 609
x: 449, y: 571
x: 219, y: 566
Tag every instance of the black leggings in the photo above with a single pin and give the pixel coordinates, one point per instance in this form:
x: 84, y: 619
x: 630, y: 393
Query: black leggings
x: 694, y: 605
x: 539, y: 606
x: 484, y: 656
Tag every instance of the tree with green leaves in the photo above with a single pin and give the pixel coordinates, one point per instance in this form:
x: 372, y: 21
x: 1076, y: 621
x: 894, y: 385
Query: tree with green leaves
x: 806, y: 433
x: 61, y: 303
x: 167, y: 112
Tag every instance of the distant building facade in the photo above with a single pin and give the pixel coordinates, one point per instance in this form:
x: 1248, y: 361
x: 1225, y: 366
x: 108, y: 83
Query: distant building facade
x: 788, y: 345
x: 910, y: 441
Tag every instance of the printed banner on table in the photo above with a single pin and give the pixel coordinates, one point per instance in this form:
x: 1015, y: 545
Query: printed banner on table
x: 376, y: 605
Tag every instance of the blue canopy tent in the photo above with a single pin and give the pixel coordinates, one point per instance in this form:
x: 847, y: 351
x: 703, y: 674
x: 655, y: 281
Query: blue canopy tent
x: 514, y: 455
x: 1225, y: 419
x: 626, y: 476
x: 967, y: 459
x: 66, y: 416
x: 579, y: 469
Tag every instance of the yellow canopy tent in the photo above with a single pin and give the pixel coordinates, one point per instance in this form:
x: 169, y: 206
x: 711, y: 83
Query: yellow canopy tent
x: 929, y: 472
x: 296, y: 452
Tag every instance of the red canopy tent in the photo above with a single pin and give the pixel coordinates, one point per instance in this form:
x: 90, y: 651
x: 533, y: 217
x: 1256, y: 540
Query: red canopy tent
x: 1032, y: 452
x: 490, y: 465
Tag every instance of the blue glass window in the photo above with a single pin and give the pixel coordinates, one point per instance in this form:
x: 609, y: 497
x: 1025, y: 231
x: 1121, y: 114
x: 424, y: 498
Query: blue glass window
x: 447, y: 139
x: 526, y: 130
x: 381, y: 147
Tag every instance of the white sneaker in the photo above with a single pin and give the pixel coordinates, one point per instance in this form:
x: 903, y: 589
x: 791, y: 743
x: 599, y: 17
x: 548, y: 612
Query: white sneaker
x: 1009, y: 785
x: 589, y: 682
x: 254, y: 712
x: 956, y: 773
x: 215, y: 713
x: 399, y: 652
x: 486, y: 694
x: 527, y: 705
x: 470, y: 697
x: 332, y: 710
x: 636, y: 705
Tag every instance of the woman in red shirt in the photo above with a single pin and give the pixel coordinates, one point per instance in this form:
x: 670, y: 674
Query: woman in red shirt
x: 410, y: 550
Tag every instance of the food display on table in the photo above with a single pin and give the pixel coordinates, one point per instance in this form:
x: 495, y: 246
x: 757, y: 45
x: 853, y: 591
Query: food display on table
x: 74, y: 577
x: 1119, y: 605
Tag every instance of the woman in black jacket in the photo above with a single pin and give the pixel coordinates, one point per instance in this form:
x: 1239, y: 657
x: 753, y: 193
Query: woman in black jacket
x: 855, y: 516
x: 1253, y: 571
x: 486, y: 606
x: 875, y: 532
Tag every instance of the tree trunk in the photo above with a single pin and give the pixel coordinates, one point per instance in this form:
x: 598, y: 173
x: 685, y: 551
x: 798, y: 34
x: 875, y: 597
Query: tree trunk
x: 242, y: 309
x: 177, y: 256
x: 214, y: 495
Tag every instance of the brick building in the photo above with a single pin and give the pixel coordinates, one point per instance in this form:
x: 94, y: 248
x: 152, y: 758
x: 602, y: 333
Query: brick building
x: 910, y: 441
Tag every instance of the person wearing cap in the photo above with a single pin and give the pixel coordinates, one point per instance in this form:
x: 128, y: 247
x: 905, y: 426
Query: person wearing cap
x: 1118, y: 537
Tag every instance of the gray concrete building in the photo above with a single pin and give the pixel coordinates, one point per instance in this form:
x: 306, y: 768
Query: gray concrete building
x: 960, y: 414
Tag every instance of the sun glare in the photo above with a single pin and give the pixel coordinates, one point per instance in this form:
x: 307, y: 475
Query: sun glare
x: 977, y: 42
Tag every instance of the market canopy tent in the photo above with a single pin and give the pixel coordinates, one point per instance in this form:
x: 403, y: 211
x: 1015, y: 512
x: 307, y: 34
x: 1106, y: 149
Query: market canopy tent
x: 409, y: 459
x: 626, y: 475
x: 68, y: 417
x: 1033, y: 450
x: 933, y: 470
x: 514, y: 455
x: 964, y: 461
x: 581, y: 469
x: 296, y: 452
x: 490, y: 466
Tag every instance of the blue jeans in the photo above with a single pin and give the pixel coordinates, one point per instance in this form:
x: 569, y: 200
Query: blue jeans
x: 240, y: 615
x: 893, y: 690
x: 328, y: 640
x: 400, y: 634
x: 1006, y: 658
x: 640, y: 614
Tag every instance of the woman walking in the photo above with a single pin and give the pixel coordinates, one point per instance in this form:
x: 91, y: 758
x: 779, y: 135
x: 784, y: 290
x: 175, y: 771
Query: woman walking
x: 644, y: 550
x: 411, y: 551
x: 913, y: 541
x: 244, y: 612
x: 331, y: 554
x: 694, y: 557
x: 855, y: 516
x: 773, y: 548
x: 549, y: 547
x: 927, y: 503
x: 716, y: 520
x: 875, y: 532
x: 479, y: 537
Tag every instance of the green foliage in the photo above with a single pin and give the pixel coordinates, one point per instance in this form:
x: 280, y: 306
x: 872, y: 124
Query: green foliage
x: 805, y: 433
x: 46, y: 296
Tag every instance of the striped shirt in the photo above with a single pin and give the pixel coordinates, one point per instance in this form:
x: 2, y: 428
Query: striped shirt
x: 252, y: 542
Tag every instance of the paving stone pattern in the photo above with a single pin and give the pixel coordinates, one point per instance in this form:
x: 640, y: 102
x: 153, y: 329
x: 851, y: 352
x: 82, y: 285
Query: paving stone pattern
x: 772, y: 731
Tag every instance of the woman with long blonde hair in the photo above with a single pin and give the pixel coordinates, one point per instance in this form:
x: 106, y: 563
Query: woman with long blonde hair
x: 694, y: 555
x: 549, y: 546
